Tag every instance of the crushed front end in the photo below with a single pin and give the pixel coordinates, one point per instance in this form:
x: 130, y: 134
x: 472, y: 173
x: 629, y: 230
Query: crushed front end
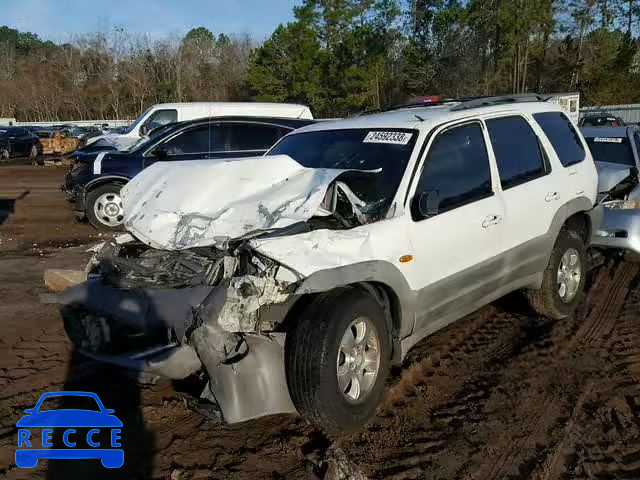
x: 174, y: 313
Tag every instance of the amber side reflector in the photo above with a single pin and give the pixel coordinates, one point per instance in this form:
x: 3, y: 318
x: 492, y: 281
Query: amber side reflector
x: 406, y: 258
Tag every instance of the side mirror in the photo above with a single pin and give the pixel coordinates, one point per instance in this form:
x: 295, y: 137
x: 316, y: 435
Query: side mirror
x: 144, y: 129
x: 428, y: 203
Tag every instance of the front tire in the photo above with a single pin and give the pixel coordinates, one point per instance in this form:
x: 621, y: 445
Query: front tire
x: 103, y: 207
x: 563, y: 279
x: 337, y: 359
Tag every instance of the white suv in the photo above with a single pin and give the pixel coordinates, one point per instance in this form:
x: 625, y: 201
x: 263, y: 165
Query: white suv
x: 297, y: 278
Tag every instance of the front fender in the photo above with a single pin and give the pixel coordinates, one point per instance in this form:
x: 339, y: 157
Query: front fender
x: 372, y: 271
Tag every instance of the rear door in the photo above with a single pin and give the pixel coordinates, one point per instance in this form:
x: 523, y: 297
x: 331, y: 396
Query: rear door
x: 532, y: 191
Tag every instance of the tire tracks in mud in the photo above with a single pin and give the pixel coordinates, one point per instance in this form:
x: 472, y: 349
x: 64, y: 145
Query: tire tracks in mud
x: 603, y: 436
x: 447, y: 408
x: 549, y: 425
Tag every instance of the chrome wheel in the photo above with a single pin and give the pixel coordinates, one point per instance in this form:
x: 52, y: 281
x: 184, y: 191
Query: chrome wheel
x: 358, y: 360
x: 108, y: 209
x: 4, y: 154
x: 34, y: 151
x: 569, y: 275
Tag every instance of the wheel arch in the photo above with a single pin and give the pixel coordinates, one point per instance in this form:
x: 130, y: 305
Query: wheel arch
x: 97, y: 182
x: 395, y: 307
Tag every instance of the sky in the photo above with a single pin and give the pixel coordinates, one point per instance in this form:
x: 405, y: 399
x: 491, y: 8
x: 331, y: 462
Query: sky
x: 60, y: 20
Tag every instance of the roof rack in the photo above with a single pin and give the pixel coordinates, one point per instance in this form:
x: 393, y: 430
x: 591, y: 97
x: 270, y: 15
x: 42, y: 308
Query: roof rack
x: 467, y: 102
x: 499, y: 100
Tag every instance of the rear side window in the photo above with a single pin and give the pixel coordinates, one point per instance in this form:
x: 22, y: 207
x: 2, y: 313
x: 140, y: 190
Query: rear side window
x: 563, y: 137
x: 517, y: 150
x: 457, y: 168
x: 203, y: 139
x: 253, y: 137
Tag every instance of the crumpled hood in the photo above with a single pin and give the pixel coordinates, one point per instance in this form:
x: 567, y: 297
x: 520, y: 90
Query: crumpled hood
x: 610, y: 175
x: 175, y: 206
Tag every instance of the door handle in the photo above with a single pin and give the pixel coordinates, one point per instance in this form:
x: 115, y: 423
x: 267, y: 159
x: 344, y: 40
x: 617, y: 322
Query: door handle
x: 491, y: 220
x: 552, y: 196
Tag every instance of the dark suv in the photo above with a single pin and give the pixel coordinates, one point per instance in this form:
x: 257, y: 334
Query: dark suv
x: 95, y: 180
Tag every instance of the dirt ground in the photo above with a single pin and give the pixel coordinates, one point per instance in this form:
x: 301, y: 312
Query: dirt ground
x: 499, y: 394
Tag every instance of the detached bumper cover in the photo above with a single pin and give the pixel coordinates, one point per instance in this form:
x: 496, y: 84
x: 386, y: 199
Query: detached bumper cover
x: 157, y: 331
x: 620, y: 228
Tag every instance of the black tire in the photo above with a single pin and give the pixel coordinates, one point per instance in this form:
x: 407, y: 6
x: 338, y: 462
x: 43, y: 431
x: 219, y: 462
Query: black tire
x: 92, y: 197
x: 312, y: 349
x: 547, y: 301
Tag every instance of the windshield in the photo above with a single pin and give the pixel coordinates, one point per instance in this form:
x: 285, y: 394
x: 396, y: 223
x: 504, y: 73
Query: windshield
x: 601, y: 122
x: 384, y: 152
x: 130, y: 128
x: 611, y: 149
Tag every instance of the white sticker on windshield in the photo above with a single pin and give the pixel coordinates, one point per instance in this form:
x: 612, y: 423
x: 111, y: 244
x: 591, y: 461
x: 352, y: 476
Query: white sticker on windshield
x: 397, y: 138
x: 607, y: 140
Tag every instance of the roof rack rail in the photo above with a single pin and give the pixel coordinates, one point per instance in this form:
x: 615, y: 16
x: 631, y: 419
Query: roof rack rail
x: 466, y: 102
x: 498, y: 100
x: 423, y: 104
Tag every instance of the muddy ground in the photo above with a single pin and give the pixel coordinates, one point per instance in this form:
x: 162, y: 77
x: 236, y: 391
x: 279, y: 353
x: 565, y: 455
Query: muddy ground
x: 500, y: 394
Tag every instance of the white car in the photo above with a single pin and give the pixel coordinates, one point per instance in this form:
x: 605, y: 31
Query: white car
x: 296, y: 279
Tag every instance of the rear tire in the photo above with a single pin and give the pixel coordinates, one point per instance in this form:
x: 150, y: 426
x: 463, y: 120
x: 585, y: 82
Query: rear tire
x: 338, y: 391
x: 564, y: 278
x: 103, y: 207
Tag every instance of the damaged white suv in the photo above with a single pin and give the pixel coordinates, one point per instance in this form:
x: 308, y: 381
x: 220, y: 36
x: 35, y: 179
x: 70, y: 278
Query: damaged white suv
x: 294, y: 280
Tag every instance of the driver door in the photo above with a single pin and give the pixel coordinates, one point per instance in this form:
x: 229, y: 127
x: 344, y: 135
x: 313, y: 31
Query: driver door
x: 458, y: 239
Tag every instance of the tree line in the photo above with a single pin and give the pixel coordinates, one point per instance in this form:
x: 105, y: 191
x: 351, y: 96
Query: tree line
x: 337, y: 56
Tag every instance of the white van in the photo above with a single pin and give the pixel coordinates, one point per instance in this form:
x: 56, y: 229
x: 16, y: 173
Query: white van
x: 163, y: 113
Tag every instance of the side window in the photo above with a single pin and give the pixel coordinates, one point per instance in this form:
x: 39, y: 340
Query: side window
x: 457, y: 168
x: 161, y: 117
x: 562, y: 135
x: 203, y: 139
x: 253, y: 137
x: 517, y: 150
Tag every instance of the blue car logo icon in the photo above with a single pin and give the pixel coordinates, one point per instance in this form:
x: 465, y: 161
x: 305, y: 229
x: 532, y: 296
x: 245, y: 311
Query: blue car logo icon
x: 102, y: 437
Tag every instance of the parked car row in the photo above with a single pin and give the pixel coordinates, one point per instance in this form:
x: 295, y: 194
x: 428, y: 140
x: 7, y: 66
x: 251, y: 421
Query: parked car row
x: 294, y: 280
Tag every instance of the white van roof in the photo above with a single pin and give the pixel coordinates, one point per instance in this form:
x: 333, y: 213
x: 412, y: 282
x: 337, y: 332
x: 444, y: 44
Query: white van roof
x: 250, y: 109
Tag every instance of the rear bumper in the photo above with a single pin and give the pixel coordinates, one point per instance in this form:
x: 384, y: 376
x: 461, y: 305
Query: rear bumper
x: 620, y: 228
